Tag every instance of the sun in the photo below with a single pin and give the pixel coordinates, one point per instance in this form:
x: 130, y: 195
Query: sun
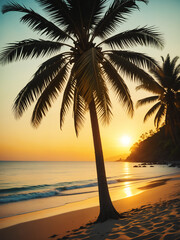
x: 125, y: 140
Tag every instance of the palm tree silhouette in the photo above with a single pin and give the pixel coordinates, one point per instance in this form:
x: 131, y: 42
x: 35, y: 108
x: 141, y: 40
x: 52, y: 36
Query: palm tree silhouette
x: 82, y: 27
x: 166, y: 96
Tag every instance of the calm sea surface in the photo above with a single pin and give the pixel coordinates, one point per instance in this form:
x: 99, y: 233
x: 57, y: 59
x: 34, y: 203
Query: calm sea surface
x: 69, y: 181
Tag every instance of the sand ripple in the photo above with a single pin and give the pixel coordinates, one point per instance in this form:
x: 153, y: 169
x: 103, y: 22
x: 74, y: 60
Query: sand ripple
x: 160, y: 221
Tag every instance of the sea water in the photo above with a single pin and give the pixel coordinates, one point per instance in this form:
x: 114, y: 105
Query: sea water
x: 58, y: 183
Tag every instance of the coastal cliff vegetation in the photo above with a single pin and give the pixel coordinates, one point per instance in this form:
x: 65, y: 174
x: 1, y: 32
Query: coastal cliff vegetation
x: 155, y: 147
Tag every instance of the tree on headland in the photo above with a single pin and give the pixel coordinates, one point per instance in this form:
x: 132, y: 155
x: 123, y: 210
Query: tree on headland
x: 156, y: 148
x: 83, y: 70
x: 166, y: 96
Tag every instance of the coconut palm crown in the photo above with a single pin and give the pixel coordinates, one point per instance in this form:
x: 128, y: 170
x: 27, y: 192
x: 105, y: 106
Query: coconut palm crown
x: 75, y: 35
x: 166, y: 96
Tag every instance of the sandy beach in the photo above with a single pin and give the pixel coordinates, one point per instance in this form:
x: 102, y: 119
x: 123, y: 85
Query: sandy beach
x: 153, y: 214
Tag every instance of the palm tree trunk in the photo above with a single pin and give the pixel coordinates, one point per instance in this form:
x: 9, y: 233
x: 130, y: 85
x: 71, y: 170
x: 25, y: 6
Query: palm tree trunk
x: 107, y: 209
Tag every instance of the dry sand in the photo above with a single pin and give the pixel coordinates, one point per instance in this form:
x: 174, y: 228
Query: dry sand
x: 153, y: 214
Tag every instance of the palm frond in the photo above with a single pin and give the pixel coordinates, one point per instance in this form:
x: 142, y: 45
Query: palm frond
x: 68, y: 97
x: 173, y: 62
x: 146, y: 100
x: 94, y: 10
x: 79, y: 110
x: 49, y: 95
x: 144, y: 36
x: 167, y: 66
x: 117, y: 13
x: 158, y: 75
x: 36, y: 21
x: 176, y: 86
x: 59, y: 11
x: 129, y: 69
x: 169, y: 70
x: 176, y: 73
x: 41, y: 79
x: 152, y: 110
x: 118, y: 86
x: 12, y: 6
x: 87, y: 72
x: 43, y: 26
x: 29, y: 48
x: 168, y: 74
x: 103, y: 103
x: 91, y: 84
x: 159, y: 115
x: 153, y: 87
x: 49, y: 67
x: 86, y: 13
x: 139, y: 59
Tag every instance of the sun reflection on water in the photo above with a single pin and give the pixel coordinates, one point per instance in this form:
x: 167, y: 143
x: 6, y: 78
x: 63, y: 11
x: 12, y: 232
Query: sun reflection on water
x: 127, y: 189
x: 126, y: 169
x: 127, y: 185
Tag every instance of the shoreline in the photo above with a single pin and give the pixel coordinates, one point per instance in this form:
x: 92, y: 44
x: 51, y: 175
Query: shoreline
x: 127, y: 187
x: 60, y: 224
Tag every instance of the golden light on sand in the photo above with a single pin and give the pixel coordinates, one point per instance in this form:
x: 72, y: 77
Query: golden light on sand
x: 125, y: 140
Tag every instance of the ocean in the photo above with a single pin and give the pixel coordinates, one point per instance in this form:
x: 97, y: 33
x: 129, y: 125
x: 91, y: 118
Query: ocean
x: 50, y: 184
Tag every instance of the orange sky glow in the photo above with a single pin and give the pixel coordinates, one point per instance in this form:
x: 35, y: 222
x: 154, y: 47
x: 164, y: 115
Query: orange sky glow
x: 21, y: 142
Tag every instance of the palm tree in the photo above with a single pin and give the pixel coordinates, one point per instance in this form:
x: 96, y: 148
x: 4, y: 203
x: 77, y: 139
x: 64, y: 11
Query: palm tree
x: 166, y: 96
x: 85, y: 68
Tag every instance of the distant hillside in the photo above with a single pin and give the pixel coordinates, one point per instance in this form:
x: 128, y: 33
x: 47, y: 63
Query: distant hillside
x: 158, y: 147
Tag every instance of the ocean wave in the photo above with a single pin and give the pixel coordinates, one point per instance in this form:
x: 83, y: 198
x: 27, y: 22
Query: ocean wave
x: 27, y: 196
x: 134, y: 179
x: 10, y: 195
x: 22, y: 189
x: 17, y: 194
x: 60, y: 186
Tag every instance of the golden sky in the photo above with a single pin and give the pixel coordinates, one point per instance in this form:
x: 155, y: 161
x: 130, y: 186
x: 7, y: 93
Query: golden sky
x: 20, y: 141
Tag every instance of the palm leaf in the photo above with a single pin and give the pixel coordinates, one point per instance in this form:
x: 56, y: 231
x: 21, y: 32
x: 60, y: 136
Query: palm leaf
x: 86, y: 13
x: 176, y: 86
x: 42, y: 25
x: 118, y: 86
x: 153, y: 87
x: 117, y: 13
x: 129, y: 69
x: 170, y: 72
x: 29, y: 48
x: 160, y: 114
x: 59, y: 11
x: 176, y: 74
x: 90, y: 82
x: 49, y: 95
x: 167, y: 66
x: 79, y: 109
x: 11, y: 7
x: 145, y: 36
x: 87, y: 73
x: 37, y: 22
x: 173, y: 62
x: 68, y: 97
x: 152, y: 110
x: 139, y: 59
x: 158, y: 75
x: 146, y: 100
x: 41, y: 79
x: 103, y: 103
x: 94, y: 12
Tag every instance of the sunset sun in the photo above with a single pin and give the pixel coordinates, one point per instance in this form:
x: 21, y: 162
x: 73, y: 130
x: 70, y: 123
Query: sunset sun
x: 125, y: 140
